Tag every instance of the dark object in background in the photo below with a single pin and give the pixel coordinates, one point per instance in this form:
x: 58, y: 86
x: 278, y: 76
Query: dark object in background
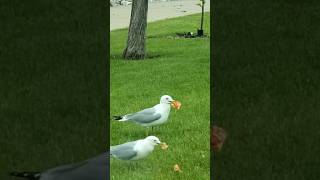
x: 218, y: 137
x: 186, y: 35
x: 200, y: 32
x: 189, y: 35
x: 96, y: 168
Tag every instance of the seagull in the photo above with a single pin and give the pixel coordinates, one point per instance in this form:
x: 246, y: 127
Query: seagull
x: 96, y: 168
x: 134, y: 150
x: 153, y: 116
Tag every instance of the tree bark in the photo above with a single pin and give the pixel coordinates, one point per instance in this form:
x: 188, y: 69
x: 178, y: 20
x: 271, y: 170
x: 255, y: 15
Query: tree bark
x: 135, y: 48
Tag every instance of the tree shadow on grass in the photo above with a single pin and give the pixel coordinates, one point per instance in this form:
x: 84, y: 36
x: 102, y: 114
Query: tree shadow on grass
x: 149, y: 56
x: 178, y: 35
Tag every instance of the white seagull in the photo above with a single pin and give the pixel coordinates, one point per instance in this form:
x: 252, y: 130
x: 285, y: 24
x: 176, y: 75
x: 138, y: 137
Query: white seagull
x: 134, y: 150
x: 153, y: 116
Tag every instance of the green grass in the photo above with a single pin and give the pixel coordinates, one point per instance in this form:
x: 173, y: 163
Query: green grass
x: 180, y: 68
x: 53, y: 83
x: 266, y: 83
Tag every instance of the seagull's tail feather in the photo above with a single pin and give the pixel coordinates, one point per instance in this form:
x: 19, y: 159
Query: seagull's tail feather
x: 117, y: 118
x: 27, y: 175
x: 120, y: 118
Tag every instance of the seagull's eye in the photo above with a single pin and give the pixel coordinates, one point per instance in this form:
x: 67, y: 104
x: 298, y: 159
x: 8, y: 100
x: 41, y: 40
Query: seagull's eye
x: 167, y: 98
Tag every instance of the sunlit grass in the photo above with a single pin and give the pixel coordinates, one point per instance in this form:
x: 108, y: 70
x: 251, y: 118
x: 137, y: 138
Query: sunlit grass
x: 179, y: 67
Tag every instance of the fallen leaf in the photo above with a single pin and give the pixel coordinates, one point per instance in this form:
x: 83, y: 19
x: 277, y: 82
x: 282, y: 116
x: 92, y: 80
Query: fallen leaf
x: 176, y: 168
x: 164, y: 146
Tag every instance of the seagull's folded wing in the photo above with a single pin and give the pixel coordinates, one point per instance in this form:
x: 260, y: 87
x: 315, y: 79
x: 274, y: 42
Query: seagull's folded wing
x: 124, y: 151
x: 145, y: 116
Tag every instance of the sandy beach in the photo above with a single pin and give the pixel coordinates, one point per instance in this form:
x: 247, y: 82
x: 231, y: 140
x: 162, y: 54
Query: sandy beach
x: 120, y: 15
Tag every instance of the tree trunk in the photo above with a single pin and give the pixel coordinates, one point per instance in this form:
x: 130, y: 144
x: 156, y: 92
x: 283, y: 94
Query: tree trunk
x: 136, y: 36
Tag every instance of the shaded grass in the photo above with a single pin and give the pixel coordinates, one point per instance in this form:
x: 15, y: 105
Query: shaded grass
x: 266, y: 83
x: 181, y: 69
x: 53, y: 83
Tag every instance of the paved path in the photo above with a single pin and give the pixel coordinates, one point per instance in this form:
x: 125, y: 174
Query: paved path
x: 120, y: 15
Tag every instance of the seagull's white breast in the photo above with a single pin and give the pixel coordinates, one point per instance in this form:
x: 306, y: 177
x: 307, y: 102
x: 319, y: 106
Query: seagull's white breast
x: 164, y: 110
x: 143, y: 149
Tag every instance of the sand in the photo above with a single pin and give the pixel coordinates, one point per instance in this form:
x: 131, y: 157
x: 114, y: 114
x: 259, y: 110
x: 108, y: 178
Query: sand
x: 158, y: 10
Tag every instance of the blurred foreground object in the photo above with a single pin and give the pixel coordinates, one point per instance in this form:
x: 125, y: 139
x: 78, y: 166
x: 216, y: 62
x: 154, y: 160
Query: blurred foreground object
x: 218, y: 137
x: 96, y: 168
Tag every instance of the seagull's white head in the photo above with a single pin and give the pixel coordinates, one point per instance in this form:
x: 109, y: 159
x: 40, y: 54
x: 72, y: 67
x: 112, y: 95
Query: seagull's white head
x: 153, y: 140
x: 166, y: 99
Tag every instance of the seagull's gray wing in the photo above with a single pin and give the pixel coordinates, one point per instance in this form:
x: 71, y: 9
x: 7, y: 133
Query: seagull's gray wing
x: 95, y: 169
x: 124, y: 151
x: 145, y: 116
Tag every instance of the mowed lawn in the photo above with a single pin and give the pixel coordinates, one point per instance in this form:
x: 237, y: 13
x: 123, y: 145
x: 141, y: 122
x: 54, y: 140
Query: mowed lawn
x: 178, y: 67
